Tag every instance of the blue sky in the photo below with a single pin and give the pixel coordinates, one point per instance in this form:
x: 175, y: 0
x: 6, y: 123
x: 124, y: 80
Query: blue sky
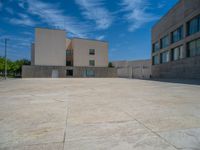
x: 125, y: 24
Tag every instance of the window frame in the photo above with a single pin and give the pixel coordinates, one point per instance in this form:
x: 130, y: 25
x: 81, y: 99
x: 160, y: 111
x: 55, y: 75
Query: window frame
x: 179, y: 36
x: 91, y: 51
x: 92, y: 64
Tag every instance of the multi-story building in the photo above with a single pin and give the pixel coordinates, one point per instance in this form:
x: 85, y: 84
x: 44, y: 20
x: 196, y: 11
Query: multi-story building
x: 54, y: 55
x: 176, y: 42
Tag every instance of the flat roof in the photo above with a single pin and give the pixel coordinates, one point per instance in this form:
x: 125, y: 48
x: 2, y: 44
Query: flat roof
x: 88, y: 39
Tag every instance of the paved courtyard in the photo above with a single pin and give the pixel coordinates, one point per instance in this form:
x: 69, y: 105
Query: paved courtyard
x: 98, y: 114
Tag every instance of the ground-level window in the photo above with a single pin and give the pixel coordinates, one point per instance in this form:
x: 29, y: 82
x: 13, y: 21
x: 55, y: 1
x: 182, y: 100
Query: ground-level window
x: 164, y: 57
x: 193, y: 48
x: 155, y: 60
x: 69, y: 72
x: 90, y: 73
x: 92, y: 63
x: 177, y: 53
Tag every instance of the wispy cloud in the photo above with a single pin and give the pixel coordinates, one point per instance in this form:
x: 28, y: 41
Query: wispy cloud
x: 101, y: 37
x: 23, y: 19
x: 54, y: 16
x: 95, y: 10
x: 137, y: 13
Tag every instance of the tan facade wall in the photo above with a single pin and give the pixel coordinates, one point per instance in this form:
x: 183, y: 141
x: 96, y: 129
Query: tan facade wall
x: 50, y: 47
x: 81, y: 55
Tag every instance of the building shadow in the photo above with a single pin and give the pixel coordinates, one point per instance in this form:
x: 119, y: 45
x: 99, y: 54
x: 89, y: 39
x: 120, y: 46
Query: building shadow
x: 180, y: 81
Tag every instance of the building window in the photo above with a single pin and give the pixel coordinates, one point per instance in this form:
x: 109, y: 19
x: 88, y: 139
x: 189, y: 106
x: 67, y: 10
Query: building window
x: 68, y: 63
x: 177, y: 53
x: 193, y: 48
x: 155, y: 60
x: 156, y: 47
x: 90, y: 73
x: 92, y: 63
x: 69, y: 72
x: 177, y: 35
x: 92, y: 51
x: 68, y: 52
x: 164, y: 42
x: 164, y: 57
x: 193, y: 26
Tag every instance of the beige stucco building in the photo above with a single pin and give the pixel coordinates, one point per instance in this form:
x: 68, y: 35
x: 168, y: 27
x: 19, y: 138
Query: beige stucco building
x: 54, y: 55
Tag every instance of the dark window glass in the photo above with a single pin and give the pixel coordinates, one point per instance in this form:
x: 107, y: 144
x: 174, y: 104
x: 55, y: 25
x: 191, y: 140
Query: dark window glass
x: 155, y: 60
x: 68, y: 63
x: 92, y: 63
x: 193, y: 48
x: 198, y: 47
x: 164, y: 57
x: 177, y: 53
x: 68, y: 52
x: 193, y: 26
x: 177, y: 35
x: 92, y: 51
x: 156, y: 47
x: 165, y: 42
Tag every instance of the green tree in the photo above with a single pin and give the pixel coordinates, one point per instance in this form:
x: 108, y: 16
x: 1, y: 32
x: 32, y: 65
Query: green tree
x: 14, y: 68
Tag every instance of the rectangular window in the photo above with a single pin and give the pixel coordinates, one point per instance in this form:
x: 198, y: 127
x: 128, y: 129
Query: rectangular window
x: 165, y: 42
x: 156, y: 47
x: 92, y: 63
x: 68, y: 63
x: 193, y: 48
x: 68, y: 52
x: 193, y: 26
x: 177, y: 53
x: 177, y: 35
x: 155, y: 60
x: 164, y: 57
x: 92, y: 51
x: 90, y: 73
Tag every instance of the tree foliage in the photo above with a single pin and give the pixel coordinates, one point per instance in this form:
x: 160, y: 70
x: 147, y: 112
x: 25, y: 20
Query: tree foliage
x: 13, y: 67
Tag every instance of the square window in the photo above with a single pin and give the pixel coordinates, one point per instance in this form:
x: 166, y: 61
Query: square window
x: 92, y: 63
x: 92, y: 51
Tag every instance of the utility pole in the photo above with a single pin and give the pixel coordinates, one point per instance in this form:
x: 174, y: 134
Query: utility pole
x: 5, y: 71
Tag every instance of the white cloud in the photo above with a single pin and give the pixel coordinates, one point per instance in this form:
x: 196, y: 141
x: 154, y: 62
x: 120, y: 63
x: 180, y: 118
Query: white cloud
x: 94, y: 10
x: 101, y: 37
x: 23, y: 19
x: 54, y: 16
x: 137, y: 13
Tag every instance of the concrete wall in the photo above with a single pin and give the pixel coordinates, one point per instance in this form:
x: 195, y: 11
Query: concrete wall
x: 43, y: 71
x: 100, y: 72
x: 188, y: 68
x: 81, y: 55
x: 179, y: 15
x: 50, y: 47
x: 133, y: 69
x: 49, y: 71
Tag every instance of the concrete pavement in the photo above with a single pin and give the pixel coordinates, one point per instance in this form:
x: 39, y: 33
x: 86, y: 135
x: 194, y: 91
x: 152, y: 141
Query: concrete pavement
x: 98, y: 114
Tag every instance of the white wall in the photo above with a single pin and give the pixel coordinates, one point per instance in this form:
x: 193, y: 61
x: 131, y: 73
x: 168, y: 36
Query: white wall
x: 50, y: 47
x: 81, y: 55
